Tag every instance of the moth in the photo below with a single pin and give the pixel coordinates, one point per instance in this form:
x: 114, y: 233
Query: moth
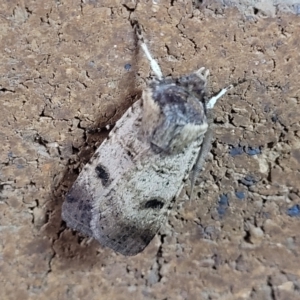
x: 124, y: 194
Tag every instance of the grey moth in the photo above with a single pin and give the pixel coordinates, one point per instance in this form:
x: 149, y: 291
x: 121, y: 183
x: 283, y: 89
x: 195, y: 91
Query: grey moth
x: 124, y: 194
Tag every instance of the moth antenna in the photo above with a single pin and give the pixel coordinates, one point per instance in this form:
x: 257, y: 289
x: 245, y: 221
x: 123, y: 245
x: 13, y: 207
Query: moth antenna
x: 212, y: 101
x: 153, y: 63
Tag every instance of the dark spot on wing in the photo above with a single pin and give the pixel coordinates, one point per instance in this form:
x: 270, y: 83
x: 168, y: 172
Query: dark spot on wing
x: 154, y: 204
x: 71, y: 199
x: 130, y: 154
x: 103, y: 174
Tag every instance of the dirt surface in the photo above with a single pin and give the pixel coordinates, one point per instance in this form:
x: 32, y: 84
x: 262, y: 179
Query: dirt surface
x: 69, y: 67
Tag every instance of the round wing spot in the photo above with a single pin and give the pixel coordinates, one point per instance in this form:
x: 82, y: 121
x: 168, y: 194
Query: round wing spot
x: 103, y: 174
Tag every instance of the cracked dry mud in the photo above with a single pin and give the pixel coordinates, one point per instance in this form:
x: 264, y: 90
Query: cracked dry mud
x: 69, y: 67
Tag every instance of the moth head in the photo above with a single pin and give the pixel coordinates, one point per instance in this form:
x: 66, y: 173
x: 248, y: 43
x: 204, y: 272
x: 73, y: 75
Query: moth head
x: 195, y: 83
x: 174, y: 113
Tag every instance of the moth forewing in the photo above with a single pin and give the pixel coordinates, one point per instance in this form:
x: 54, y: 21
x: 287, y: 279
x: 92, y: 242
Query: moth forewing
x: 141, y: 200
x: 135, y: 206
x: 130, y: 186
x: 124, y: 194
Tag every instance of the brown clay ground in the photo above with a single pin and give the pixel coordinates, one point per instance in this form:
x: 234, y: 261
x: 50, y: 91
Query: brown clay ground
x: 71, y: 66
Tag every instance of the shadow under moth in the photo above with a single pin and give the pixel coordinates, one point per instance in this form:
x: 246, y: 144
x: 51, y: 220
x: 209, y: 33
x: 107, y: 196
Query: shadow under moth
x: 124, y: 194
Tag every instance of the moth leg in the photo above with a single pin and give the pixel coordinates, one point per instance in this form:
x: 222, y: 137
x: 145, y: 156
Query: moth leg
x: 206, y: 143
x: 212, y: 101
x: 205, y: 148
x: 153, y: 63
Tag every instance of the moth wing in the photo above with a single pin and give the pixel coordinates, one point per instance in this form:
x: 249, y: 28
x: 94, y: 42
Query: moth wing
x: 77, y: 209
x: 124, y: 194
x: 106, y: 166
x: 130, y: 215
